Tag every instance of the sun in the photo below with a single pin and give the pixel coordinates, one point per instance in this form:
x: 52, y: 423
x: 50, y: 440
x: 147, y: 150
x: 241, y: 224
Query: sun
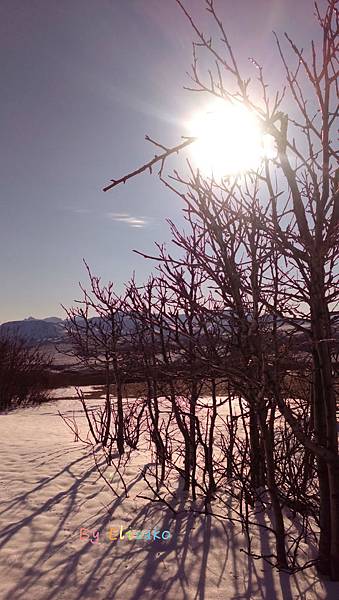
x: 229, y: 141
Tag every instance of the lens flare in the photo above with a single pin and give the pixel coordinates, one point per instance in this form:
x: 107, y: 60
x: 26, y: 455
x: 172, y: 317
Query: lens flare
x: 229, y: 140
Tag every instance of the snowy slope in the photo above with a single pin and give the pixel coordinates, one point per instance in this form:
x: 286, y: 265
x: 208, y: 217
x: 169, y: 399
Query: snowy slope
x: 50, y: 489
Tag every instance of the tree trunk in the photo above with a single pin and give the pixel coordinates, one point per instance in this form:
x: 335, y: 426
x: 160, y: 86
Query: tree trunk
x: 192, y: 438
x: 324, y: 490
x: 325, y: 425
x: 120, y: 421
x: 278, y: 518
x: 256, y: 457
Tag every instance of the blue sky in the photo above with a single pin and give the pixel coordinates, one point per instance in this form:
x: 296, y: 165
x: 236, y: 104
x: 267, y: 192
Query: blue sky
x: 82, y: 83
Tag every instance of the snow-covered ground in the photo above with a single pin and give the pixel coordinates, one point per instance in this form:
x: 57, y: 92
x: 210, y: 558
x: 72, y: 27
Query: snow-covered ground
x: 50, y: 488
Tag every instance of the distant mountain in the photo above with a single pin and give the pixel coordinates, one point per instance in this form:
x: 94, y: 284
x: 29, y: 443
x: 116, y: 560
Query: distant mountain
x: 35, y: 330
x: 53, y: 329
x: 47, y: 319
x: 53, y: 320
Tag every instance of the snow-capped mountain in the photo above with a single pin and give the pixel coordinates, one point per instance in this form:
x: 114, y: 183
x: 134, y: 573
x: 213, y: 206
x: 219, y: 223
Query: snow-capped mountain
x: 35, y: 330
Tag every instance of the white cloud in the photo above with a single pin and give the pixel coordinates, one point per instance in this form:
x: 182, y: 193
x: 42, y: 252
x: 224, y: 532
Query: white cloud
x: 128, y: 219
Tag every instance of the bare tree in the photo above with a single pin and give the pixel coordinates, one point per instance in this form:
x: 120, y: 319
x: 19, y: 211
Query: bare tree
x: 267, y: 246
x: 23, y: 373
x: 96, y: 327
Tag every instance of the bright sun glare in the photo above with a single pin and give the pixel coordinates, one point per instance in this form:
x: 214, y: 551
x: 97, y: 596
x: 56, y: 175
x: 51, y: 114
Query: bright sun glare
x: 229, y: 140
